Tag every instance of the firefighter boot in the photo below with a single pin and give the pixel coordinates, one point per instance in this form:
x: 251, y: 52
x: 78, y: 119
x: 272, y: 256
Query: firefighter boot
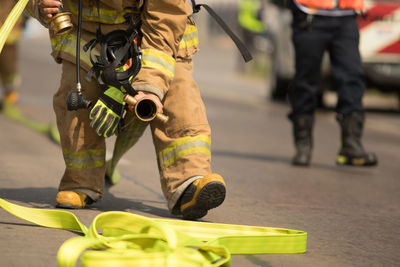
x: 302, y: 132
x: 352, y: 151
x: 72, y: 200
x: 202, y: 195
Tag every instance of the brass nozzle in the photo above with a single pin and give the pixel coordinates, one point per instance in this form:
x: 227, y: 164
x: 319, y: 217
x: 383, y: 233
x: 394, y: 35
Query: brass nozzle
x: 61, y: 23
x: 145, y: 109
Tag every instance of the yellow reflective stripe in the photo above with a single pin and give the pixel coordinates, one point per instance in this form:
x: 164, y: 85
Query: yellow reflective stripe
x: 190, y: 37
x: 87, y: 159
x: 157, y: 59
x: 190, y: 29
x: 184, y: 140
x: 85, y: 166
x: 81, y: 154
x: 166, y: 163
x: 183, y: 147
x: 107, y: 16
x: 67, y: 44
x: 188, y: 44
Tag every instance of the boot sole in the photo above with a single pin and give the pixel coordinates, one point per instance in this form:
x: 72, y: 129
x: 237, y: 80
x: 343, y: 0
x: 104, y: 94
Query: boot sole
x: 350, y: 161
x: 210, y: 196
x: 69, y: 206
x: 302, y: 164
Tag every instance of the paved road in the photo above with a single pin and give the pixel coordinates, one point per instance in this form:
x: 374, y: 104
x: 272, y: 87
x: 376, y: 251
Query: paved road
x: 351, y: 214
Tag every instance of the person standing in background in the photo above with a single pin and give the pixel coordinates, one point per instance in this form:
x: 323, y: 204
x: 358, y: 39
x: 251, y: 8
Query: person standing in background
x: 331, y: 26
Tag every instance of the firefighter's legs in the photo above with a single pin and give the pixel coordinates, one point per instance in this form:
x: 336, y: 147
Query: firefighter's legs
x: 309, y: 49
x: 82, y: 148
x: 348, y: 73
x: 346, y: 67
x: 9, y: 73
x: 183, y: 149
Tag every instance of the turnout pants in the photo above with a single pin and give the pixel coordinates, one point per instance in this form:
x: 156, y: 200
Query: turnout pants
x: 182, y: 144
x: 339, y: 36
x: 9, y: 67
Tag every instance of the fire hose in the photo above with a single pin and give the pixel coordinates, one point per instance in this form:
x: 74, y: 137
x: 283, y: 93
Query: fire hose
x: 10, y: 21
x: 117, y: 238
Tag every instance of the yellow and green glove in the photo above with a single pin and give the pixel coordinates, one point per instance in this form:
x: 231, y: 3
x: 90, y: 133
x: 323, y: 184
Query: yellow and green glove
x: 106, y: 113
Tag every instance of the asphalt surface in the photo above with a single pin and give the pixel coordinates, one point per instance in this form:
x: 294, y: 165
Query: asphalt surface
x: 351, y: 214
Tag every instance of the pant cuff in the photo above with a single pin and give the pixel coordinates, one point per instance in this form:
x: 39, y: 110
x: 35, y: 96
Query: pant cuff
x: 179, y: 191
x: 93, y: 195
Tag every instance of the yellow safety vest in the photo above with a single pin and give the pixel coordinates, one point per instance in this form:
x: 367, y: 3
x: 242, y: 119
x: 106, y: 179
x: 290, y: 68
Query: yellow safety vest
x: 248, y: 10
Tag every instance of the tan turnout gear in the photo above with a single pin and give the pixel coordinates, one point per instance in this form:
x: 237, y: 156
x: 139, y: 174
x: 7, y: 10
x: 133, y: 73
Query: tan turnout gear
x: 9, y: 67
x: 183, y: 143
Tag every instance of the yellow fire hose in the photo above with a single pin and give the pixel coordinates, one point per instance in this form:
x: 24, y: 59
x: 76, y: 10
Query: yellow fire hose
x: 10, y: 21
x: 126, y: 139
x: 128, y: 239
x: 11, y: 112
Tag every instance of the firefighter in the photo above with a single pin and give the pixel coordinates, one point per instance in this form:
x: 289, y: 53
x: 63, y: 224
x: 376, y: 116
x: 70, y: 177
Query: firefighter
x: 331, y: 26
x: 168, y: 41
x: 9, y: 67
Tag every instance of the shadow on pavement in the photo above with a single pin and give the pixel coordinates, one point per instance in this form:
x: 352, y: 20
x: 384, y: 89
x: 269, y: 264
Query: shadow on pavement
x: 254, y: 259
x: 377, y: 110
x: 44, y: 198
x: 383, y: 111
x: 37, y: 197
x: 280, y: 160
x: 243, y: 155
x: 110, y: 202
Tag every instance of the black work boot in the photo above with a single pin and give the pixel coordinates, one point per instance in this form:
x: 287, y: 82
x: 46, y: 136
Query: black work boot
x: 302, y: 132
x: 352, y: 151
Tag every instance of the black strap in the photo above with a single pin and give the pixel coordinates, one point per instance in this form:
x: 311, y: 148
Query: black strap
x: 239, y: 44
x: 116, y: 48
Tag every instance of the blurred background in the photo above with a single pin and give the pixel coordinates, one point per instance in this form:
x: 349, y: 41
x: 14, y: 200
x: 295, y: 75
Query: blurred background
x: 273, y: 53
x: 351, y: 214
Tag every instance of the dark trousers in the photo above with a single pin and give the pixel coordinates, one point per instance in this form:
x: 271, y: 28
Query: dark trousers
x: 339, y: 36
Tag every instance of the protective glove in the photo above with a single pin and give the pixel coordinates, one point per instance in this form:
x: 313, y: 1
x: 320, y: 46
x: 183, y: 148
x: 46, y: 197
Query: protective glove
x: 106, y: 113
